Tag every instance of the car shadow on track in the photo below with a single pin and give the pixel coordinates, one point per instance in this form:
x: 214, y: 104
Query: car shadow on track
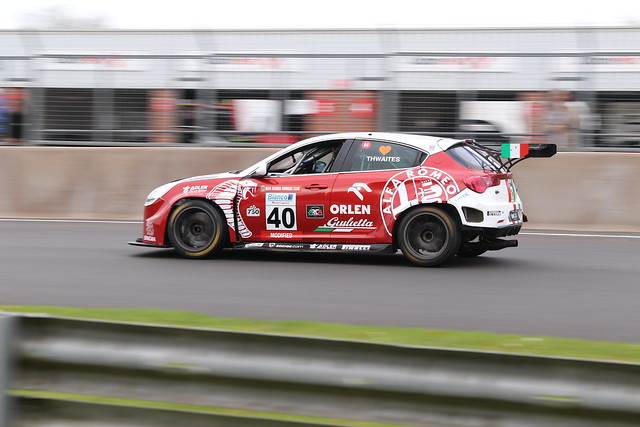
x: 387, y: 260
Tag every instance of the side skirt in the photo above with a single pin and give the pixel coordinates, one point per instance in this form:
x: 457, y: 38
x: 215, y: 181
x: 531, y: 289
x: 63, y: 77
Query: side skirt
x: 317, y: 247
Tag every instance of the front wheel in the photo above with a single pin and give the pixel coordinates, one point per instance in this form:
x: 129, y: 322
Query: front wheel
x: 428, y: 236
x: 197, y: 229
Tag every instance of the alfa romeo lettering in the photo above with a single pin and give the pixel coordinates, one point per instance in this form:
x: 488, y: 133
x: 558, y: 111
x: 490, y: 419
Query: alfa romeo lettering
x: 414, y: 187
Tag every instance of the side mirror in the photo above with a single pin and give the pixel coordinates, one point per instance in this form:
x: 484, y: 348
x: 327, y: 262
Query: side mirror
x: 260, y: 172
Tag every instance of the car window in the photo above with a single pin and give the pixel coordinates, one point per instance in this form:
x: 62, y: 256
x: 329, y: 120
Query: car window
x: 475, y: 157
x: 317, y: 158
x: 382, y: 155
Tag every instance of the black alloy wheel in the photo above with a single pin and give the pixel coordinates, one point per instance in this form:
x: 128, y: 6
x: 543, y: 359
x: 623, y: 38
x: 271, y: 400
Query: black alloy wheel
x: 428, y: 236
x: 197, y: 229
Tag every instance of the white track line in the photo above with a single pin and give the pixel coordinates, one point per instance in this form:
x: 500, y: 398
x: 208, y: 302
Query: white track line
x: 623, y: 236
x: 75, y: 221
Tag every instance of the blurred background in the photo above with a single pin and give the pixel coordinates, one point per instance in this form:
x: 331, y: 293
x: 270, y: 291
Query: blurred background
x: 70, y: 73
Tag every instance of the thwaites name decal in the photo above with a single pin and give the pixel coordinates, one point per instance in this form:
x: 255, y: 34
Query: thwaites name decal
x: 412, y: 187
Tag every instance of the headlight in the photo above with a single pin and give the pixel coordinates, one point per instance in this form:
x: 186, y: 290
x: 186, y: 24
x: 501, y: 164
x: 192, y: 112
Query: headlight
x: 157, y: 193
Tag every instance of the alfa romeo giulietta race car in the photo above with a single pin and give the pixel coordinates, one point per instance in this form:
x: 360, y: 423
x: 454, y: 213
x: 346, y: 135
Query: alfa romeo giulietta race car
x: 432, y: 198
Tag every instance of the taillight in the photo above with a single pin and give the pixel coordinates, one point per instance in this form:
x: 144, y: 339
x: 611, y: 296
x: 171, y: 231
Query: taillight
x: 479, y: 184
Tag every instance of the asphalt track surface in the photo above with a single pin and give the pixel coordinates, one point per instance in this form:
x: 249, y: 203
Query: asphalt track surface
x: 556, y: 285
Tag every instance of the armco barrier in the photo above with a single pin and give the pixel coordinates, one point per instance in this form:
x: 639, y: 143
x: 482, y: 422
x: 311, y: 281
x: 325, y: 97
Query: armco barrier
x: 317, y: 377
x: 568, y: 191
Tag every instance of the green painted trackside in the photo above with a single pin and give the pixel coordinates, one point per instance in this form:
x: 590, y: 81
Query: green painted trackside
x: 483, y: 341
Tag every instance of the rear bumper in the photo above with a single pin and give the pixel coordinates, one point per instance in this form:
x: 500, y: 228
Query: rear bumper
x: 493, y: 233
x: 139, y: 242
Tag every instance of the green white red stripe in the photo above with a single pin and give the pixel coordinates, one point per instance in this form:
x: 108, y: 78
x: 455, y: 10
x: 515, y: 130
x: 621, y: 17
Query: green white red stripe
x: 514, y: 151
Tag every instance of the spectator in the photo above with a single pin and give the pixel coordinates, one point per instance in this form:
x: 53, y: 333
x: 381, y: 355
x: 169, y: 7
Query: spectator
x: 561, y: 122
x: 4, y: 116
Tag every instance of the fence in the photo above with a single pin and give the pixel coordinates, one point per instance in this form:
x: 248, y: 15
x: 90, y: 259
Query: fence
x: 112, y: 90
x: 296, y: 375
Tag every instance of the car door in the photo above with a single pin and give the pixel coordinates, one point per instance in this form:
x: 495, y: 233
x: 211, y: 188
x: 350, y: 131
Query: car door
x: 379, y: 179
x: 290, y: 202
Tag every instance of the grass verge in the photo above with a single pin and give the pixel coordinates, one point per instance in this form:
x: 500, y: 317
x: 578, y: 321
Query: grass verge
x: 195, y: 408
x: 484, y: 341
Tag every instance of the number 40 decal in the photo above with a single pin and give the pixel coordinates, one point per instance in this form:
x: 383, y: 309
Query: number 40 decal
x: 281, y: 211
x: 281, y: 218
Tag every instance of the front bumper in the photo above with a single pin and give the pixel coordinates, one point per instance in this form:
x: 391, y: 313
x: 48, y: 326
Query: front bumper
x: 139, y: 242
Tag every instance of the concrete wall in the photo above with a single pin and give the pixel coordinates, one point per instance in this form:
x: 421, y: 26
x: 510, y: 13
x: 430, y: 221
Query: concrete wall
x: 597, y: 191
x: 587, y: 191
x: 86, y: 182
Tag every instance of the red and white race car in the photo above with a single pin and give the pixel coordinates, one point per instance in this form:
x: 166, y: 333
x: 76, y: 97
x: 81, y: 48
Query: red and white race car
x: 432, y: 198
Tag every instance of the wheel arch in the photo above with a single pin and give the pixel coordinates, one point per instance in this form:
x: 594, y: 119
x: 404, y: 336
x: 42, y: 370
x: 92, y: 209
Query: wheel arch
x: 182, y: 201
x: 448, y: 208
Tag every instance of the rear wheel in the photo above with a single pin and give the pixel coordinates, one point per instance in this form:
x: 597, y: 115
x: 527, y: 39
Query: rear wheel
x: 428, y: 236
x: 197, y: 230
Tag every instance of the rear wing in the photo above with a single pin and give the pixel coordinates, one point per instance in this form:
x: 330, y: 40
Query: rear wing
x: 511, y: 154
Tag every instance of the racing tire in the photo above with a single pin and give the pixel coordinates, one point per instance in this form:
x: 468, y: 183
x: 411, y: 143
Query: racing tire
x: 428, y: 236
x: 197, y: 229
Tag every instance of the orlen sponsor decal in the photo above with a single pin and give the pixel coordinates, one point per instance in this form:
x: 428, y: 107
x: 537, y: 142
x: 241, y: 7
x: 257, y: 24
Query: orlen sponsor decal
x: 412, y: 187
x: 357, y: 188
x: 346, y: 226
x: 350, y: 209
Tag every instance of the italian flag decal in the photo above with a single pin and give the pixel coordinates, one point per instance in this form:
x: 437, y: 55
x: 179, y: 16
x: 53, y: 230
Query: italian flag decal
x: 514, y: 151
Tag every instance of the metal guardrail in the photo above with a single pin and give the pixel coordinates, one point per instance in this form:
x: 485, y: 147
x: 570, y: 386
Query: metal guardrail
x: 286, y: 374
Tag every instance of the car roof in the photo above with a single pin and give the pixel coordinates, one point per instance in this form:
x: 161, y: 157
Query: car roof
x: 430, y: 144
x: 422, y: 142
